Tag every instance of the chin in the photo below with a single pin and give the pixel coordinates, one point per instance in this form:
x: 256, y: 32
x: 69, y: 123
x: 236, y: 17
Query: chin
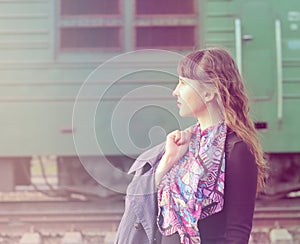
x: 183, y: 114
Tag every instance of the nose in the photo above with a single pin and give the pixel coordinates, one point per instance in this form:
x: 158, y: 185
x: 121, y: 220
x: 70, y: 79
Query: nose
x: 175, y: 92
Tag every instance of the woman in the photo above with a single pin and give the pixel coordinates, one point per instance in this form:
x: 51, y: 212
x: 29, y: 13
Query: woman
x: 207, y: 176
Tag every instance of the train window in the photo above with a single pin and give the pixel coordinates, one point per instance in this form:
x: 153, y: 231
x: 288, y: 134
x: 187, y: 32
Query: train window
x: 158, y: 7
x: 99, y: 24
x: 89, y: 7
x: 172, y: 37
x: 90, y: 37
x: 90, y: 24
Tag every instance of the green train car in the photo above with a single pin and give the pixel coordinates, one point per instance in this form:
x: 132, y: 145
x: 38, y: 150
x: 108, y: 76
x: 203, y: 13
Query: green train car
x: 90, y: 81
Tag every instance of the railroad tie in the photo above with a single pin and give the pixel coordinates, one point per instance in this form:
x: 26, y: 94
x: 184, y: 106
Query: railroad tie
x: 110, y: 237
x: 280, y: 236
x: 72, y: 238
x: 31, y: 238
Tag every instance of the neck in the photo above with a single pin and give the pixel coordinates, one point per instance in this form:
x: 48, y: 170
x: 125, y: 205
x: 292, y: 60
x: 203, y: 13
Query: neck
x: 211, y: 117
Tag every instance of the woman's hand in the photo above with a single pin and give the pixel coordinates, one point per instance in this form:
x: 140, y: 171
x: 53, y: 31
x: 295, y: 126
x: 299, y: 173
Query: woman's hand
x: 177, y: 143
x: 176, y: 146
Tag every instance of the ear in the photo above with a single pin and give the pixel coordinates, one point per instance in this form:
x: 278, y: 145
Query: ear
x: 209, y: 96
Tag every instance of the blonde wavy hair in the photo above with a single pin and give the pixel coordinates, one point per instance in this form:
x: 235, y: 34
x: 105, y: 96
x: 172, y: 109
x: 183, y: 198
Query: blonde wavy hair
x: 219, y: 68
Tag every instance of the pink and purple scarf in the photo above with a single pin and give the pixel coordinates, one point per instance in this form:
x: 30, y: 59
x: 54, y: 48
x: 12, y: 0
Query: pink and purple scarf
x: 194, y: 188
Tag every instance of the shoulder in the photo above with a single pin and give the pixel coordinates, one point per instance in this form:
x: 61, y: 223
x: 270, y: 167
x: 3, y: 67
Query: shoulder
x: 231, y: 140
x: 150, y: 157
x: 235, y: 143
x: 239, y: 156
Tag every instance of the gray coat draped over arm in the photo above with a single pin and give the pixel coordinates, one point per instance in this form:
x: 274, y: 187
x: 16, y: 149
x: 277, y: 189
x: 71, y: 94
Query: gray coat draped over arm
x: 138, y: 224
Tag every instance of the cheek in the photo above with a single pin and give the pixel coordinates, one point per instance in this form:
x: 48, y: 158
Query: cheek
x: 197, y: 104
x: 193, y: 104
x: 191, y: 97
x: 195, y: 97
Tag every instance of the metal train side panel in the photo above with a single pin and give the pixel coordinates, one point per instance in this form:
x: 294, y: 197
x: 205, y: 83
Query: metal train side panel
x: 264, y: 37
x: 39, y: 85
x: 42, y: 71
x: 288, y: 21
x: 37, y: 115
x: 26, y: 31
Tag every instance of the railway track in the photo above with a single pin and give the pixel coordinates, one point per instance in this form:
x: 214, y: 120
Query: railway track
x: 106, y: 215
x: 60, y: 216
x: 285, y: 212
x: 55, y: 218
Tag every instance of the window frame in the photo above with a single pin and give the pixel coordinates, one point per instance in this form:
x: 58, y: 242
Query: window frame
x: 174, y: 48
x: 71, y: 49
x: 84, y: 16
x: 137, y: 15
x: 93, y: 20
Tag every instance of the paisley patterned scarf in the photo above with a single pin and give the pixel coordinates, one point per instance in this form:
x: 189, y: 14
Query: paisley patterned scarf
x: 194, y: 188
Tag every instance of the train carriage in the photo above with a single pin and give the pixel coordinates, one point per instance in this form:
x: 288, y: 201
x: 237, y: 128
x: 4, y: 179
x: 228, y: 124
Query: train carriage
x: 90, y: 82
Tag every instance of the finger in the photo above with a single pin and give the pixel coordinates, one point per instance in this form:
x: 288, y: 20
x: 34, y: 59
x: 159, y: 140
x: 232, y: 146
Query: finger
x: 184, y: 137
x: 172, y: 138
x: 171, y: 135
x: 177, y: 137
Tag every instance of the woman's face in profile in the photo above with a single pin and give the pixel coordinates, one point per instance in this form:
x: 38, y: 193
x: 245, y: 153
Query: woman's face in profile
x: 190, y: 99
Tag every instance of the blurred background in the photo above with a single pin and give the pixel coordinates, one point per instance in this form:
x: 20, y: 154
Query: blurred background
x: 85, y: 87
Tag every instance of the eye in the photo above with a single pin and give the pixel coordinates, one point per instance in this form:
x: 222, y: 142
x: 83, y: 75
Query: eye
x: 181, y: 82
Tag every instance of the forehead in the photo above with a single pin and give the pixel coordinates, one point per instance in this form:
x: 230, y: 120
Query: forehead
x: 199, y: 85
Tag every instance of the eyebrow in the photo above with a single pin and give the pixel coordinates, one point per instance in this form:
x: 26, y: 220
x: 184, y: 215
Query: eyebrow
x: 186, y: 80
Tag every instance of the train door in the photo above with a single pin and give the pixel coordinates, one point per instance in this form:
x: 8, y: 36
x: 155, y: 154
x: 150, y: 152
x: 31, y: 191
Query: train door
x: 258, y: 57
x: 268, y: 48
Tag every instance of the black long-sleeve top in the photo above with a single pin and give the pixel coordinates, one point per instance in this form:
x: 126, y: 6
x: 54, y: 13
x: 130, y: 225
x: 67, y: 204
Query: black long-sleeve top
x: 233, y: 224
